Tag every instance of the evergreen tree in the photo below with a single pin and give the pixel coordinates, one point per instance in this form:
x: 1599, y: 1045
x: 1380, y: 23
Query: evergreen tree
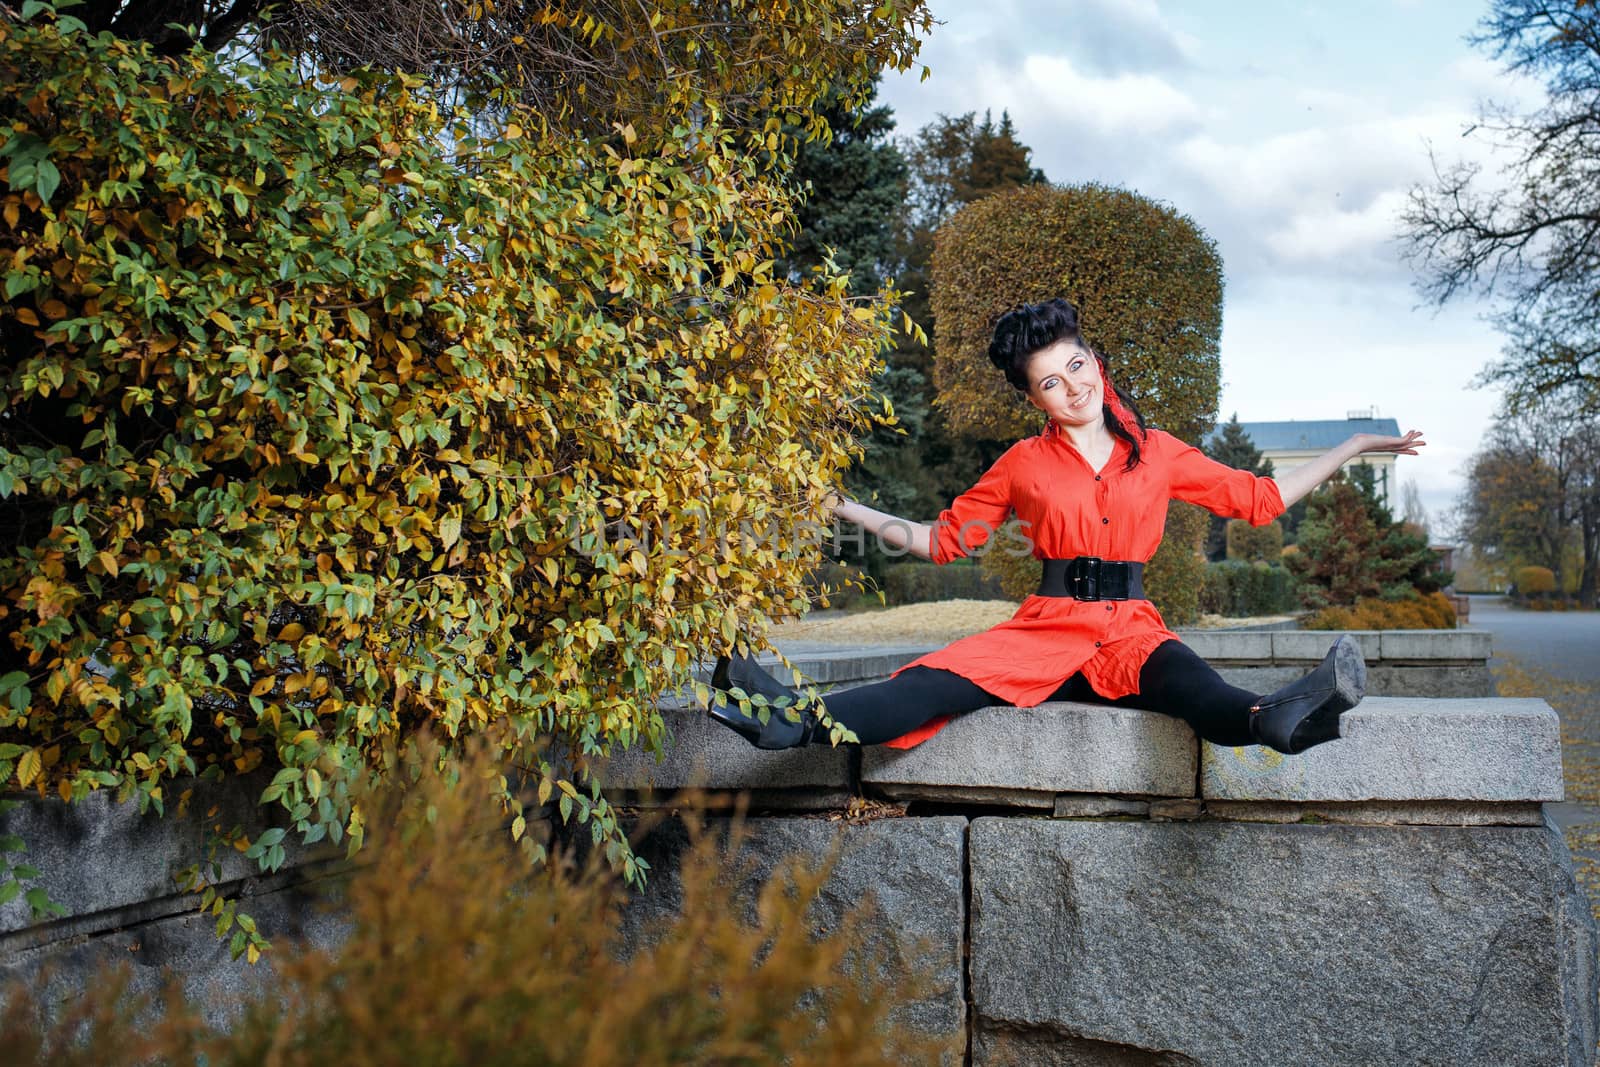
x: 1231, y: 445
x: 953, y: 161
x: 854, y: 186
x: 1351, y: 547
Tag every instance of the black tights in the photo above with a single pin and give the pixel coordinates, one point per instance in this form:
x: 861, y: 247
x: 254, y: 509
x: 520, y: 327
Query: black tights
x: 1173, y: 681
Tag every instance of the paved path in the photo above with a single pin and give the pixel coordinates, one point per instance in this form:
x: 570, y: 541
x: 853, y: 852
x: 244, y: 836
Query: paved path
x: 1565, y: 643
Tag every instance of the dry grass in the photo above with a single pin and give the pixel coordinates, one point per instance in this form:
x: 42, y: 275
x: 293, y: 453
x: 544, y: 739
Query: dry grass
x: 935, y: 623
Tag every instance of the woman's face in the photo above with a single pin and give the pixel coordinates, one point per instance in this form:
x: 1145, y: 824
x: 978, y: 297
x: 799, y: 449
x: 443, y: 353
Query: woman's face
x: 1064, y: 382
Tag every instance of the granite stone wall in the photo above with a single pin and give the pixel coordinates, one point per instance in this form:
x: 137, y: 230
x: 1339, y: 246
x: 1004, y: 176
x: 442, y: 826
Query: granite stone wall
x: 1080, y: 884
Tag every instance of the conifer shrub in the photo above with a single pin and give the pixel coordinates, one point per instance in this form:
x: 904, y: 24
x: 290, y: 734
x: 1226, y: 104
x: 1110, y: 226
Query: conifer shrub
x: 1430, y: 611
x: 463, y: 954
x: 328, y: 413
x: 1147, y: 283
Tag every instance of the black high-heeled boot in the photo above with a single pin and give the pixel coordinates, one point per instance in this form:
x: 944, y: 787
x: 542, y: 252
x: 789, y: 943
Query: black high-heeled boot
x: 1306, y: 711
x: 779, y: 731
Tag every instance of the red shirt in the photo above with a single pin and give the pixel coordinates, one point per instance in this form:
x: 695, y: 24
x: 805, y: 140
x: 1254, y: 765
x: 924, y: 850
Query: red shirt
x: 1073, y: 510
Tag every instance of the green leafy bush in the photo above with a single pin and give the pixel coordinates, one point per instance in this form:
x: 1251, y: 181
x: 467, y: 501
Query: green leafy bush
x: 919, y: 583
x: 461, y: 953
x: 328, y: 414
x: 1529, y: 580
x: 1254, y: 544
x: 1238, y: 589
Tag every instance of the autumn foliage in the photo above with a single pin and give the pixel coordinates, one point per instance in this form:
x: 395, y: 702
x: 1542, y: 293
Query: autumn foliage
x: 328, y: 414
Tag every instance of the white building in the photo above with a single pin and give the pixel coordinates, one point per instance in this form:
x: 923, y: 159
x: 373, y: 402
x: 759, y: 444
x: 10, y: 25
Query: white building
x: 1289, y: 444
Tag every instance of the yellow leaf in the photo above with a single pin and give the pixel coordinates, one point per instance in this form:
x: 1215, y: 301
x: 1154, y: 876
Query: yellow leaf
x: 109, y: 562
x: 262, y: 687
x: 545, y: 786
x: 292, y: 633
x: 222, y: 320
x: 513, y: 131
x: 519, y: 826
x: 304, y: 735
x: 251, y: 953
x: 26, y: 316
x: 28, y: 767
x: 450, y: 530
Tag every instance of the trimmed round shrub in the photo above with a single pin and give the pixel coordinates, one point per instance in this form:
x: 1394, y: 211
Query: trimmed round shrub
x: 1531, y: 580
x: 1254, y: 544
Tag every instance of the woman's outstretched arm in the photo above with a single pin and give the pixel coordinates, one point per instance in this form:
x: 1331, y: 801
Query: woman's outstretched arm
x: 892, y: 531
x: 1303, y: 479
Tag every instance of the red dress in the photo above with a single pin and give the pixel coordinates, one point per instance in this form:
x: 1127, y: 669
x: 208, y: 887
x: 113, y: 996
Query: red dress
x: 1073, y: 510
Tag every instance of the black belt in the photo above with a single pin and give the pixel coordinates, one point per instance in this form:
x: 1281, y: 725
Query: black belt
x: 1093, y: 578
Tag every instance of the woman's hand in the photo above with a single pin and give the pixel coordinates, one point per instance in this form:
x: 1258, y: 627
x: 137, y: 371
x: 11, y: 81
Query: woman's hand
x: 1301, y: 480
x: 1403, y: 446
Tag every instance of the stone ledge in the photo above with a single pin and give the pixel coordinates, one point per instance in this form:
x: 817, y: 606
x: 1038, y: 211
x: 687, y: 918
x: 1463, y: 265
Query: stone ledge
x: 702, y: 754
x: 1499, y: 750
x: 1298, y: 647
x: 136, y: 856
x: 1053, y: 748
x: 1378, y: 812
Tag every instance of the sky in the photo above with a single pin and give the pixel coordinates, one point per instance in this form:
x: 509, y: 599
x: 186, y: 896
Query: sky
x: 1291, y: 133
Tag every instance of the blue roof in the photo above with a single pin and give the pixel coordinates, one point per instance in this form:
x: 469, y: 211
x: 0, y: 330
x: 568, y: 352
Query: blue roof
x: 1318, y: 434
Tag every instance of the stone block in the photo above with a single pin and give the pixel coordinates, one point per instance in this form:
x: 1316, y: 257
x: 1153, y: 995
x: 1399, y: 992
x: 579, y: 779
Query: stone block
x: 98, y: 855
x: 1471, y: 679
x: 911, y: 870
x: 965, y: 795
x: 1259, y: 679
x: 702, y: 754
x: 1501, y: 750
x: 186, y: 946
x: 1084, y: 806
x: 1248, y: 944
x: 1229, y: 645
x: 1425, y: 645
x: 1379, y: 812
x: 1309, y: 646
x: 1055, y: 747
x: 1383, y: 679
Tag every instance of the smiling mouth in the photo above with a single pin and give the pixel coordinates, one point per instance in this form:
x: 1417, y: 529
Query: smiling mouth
x: 1081, y: 401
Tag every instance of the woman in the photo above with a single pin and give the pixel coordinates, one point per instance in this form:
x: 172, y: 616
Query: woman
x: 1092, y: 489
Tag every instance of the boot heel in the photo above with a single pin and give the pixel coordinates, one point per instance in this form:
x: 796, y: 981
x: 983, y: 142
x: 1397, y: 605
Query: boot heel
x: 1306, y: 711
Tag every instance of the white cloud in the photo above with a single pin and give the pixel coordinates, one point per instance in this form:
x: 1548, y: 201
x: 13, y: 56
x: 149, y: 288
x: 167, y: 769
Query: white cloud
x: 1334, y: 236
x: 1127, y: 104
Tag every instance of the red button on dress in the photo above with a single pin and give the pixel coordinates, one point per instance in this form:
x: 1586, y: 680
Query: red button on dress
x: 1051, y: 488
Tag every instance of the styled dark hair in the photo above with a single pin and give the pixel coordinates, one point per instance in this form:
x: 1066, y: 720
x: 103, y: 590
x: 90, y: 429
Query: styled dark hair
x: 1025, y: 329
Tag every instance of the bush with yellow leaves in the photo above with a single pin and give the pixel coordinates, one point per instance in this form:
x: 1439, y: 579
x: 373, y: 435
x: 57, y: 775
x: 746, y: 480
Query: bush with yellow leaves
x: 328, y: 413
